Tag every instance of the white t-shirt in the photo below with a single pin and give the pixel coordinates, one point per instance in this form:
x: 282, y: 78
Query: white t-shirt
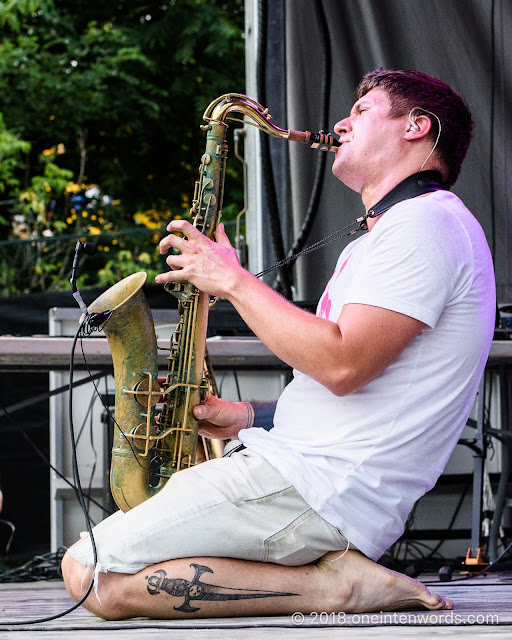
x: 364, y: 459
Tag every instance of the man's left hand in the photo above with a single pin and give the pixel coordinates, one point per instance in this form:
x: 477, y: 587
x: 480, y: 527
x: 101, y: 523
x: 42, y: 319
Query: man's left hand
x: 210, y: 266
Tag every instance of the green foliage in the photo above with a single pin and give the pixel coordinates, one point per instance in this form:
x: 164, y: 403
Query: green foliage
x: 124, y: 265
x: 109, y: 97
x: 11, y: 12
x: 12, y: 150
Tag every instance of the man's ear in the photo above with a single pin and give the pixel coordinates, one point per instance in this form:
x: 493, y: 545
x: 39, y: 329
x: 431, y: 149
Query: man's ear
x: 417, y: 127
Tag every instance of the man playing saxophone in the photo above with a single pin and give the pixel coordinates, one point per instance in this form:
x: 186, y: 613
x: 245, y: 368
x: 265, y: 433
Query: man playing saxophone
x: 385, y: 376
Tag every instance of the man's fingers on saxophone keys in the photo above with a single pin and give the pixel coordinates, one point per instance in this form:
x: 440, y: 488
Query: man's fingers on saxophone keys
x: 176, y: 262
x: 181, y: 243
x: 184, y: 227
x: 174, y: 241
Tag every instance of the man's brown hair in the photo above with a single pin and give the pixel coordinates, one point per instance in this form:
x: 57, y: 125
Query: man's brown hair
x: 409, y: 89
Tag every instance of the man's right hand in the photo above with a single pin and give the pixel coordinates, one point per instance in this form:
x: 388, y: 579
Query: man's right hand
x: 223, y: 419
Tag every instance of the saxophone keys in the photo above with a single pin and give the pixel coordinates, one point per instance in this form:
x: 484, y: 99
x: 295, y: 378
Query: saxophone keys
x: 140, y: 438
x: 209, y: 199
x: 148, y: 392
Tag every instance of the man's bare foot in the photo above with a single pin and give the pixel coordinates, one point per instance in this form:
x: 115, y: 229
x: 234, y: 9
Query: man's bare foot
x: 363, y: 586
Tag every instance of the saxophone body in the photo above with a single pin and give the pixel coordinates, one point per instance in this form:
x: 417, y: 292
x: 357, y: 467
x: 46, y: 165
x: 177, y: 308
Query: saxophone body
x: 148, y: 449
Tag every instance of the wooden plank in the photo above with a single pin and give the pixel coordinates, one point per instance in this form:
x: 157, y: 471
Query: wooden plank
x: 482, y: 605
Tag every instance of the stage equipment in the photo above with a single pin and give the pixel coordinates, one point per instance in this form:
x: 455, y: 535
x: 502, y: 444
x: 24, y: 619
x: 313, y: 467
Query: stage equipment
x: 147, y: 451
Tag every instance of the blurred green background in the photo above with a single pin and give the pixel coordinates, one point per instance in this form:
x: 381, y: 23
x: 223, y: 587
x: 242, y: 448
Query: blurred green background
x: 100, y: 108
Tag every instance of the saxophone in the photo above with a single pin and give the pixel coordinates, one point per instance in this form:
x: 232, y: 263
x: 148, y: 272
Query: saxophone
x: 146, y: 450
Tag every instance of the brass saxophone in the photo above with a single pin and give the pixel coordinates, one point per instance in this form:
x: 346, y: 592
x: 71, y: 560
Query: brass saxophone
x: 147, y: 451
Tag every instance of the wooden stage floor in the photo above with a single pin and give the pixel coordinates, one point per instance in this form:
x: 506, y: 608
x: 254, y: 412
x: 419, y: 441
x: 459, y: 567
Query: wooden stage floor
x: 483, y: 606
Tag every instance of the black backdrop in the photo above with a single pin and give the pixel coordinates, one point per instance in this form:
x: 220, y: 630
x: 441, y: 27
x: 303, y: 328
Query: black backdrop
x: 463, y: 42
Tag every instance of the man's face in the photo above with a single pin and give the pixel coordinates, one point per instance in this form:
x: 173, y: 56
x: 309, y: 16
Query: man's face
x: 370, y: 141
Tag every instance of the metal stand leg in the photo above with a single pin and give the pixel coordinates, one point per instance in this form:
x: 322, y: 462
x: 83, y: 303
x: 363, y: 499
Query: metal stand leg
x: 474, y: 555
x: 505, y: 438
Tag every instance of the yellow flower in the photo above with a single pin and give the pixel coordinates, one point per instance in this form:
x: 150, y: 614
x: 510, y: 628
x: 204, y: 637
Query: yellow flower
x: 49, y: 152
x: 94, y: 231
x: 84, y: 214
x: 145, y: 258
x: 146, y: 221
x: 72, y: 187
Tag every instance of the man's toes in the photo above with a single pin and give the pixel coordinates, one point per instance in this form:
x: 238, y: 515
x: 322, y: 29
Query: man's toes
x: 435, y: 602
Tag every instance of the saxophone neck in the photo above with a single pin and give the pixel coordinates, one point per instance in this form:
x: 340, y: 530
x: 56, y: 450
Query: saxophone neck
x: 218, y: 111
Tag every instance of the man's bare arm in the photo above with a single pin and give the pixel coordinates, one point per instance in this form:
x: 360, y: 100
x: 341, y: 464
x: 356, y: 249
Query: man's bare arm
x: 342, y: 356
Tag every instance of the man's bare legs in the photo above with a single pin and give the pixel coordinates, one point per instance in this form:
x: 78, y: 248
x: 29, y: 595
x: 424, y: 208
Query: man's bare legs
x: 223, y: 587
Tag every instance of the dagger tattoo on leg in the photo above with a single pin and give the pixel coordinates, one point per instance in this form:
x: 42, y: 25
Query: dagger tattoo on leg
x: 196, y: 590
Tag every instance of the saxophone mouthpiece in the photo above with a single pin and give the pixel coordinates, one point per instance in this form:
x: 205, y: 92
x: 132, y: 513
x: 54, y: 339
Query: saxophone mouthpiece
x: 321, y: 141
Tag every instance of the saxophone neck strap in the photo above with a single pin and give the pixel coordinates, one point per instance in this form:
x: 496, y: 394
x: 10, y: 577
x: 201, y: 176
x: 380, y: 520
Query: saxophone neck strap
x: 415, y: 185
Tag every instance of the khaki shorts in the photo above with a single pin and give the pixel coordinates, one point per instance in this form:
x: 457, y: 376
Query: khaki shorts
x: 238, y: 506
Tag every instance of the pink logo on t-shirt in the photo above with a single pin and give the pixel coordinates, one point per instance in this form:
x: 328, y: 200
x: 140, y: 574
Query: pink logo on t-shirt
x: 325, y: 302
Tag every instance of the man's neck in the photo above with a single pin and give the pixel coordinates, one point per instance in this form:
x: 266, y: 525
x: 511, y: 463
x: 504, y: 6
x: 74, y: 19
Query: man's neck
x: 373, y: 196
x: 373, y: 192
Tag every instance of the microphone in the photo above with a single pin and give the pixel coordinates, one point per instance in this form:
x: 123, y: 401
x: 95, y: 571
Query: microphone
x: 89, y: 249
x: 82, y: 247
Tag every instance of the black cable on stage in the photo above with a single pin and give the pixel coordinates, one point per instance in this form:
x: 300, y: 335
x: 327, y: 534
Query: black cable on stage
x: 76, y: 478
x: 475, y: 575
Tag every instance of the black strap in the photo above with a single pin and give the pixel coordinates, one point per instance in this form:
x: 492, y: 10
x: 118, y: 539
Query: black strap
x: 415, y: 185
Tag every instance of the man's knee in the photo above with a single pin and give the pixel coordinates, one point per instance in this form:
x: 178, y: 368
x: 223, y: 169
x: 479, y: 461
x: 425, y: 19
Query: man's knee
x: 105, y: 600
x: 71, y: 574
